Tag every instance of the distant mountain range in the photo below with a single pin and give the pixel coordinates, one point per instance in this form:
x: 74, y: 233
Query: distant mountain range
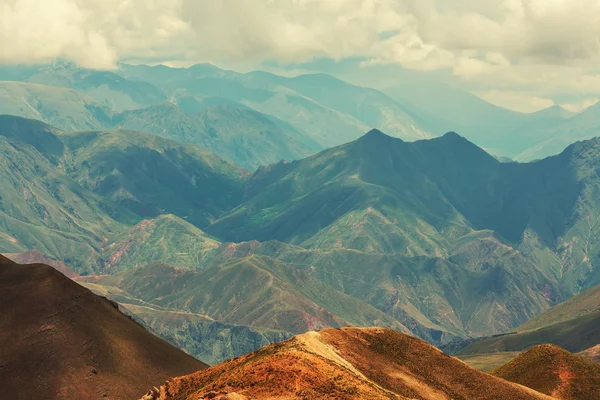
x: 260, y: 118
x: 502, y: 132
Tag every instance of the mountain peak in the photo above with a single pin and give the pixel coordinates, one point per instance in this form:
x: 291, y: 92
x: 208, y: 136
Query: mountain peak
x: 555, y: 111
x: 452, y: 135
x: 375, y: 133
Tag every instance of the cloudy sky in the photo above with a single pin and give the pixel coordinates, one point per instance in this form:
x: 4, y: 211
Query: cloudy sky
x: 522, y: 54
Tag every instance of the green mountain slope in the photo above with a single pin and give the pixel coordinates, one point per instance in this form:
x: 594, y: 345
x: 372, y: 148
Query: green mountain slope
x: 525, y: 226
x: 42, y: 207
x: 573, y: 325
x: 577, y: 306
x: 165, y: 238
x: 62, y: 108
x: 82, y: 188
x: 199, y: 335
x: 255, y: 291
x: 151, y: 175
x: 238, y: 134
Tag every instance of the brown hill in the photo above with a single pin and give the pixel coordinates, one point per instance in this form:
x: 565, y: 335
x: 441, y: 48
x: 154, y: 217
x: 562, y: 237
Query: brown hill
x: 344, y: 364
x: 60, y: 341
x: 37, y: 257
x: 554, y: 371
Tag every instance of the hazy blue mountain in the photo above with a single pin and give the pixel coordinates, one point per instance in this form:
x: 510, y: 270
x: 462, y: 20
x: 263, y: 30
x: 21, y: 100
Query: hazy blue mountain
x: 105, y: 87
x: 65, y: 109
x: 500, y: 131
x: 329, y: 110
x: 552, y: 139
x: 235, y: 133
x: 229, y: 129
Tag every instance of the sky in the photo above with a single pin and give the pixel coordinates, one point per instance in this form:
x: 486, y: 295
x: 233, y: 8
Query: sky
x: 521, y: 54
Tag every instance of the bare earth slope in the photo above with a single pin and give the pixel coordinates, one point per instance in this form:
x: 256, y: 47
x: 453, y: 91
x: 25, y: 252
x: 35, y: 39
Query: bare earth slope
x: 348, y: 363
x: 60, y: 341
x: 554, y: 371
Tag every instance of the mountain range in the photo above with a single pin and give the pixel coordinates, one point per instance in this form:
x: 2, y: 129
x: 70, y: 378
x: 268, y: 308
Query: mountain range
x: 502, y: 132
x: 277, y: 117
x: 376, y: 232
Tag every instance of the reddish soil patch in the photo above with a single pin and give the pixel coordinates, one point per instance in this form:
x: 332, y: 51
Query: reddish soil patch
x: 344, y: 364
x: 554, y: 371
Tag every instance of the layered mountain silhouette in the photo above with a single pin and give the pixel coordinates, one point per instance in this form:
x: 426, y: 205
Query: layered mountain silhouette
x: 349, y: 363
x: 60, y: 341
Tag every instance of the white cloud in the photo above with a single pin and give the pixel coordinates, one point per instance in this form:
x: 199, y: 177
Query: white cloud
x: 517, y: 101
x: 547, y: 45
x: 582, y: 104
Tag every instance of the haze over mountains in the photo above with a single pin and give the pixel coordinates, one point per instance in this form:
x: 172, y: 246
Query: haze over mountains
x: 292, y: 118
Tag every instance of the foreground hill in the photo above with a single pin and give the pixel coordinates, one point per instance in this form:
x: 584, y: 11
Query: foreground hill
x: 59, y: 340
x: 554, y: 371
x: 593, y: 353
x: 349, y: 363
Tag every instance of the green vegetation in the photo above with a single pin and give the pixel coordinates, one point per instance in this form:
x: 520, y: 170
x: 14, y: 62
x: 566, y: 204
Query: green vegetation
x: 167, y: 238
x: 435, y: 237
x: 67, y: 194
x: 62, y: 108
x: 235, y: 133
x: 573, y: 325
